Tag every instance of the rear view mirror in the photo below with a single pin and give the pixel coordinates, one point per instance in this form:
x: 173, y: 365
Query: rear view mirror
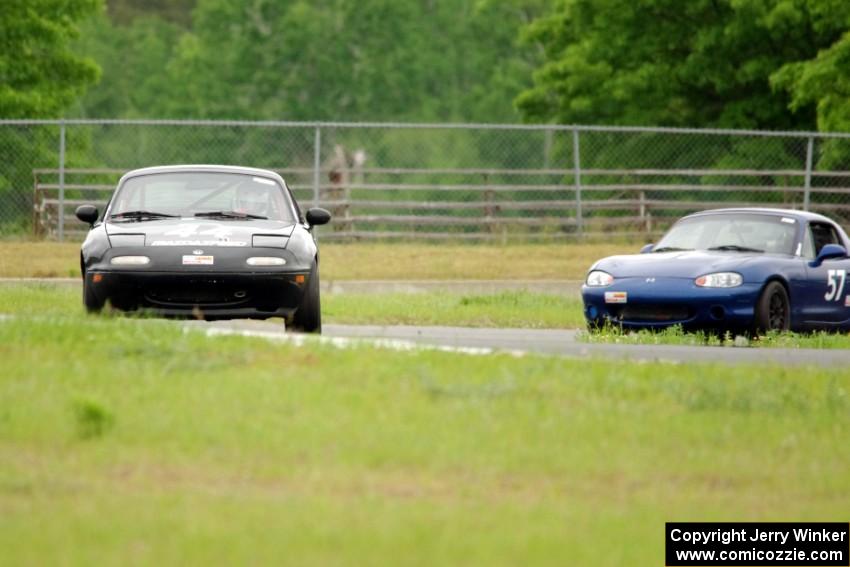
x: 829, y: 252
x: 87, y: 213
x: 317, y: 216
x: 647, y: 248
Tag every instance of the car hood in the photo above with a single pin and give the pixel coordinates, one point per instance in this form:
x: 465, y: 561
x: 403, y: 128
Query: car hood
x: 194, y: 232
x: 689, y: 264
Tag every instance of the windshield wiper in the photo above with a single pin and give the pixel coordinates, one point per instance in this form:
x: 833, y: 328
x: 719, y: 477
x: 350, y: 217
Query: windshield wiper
x: 139, y: 215
x: 735, y: 248
x: 230, y: 215
x: 672, y: 249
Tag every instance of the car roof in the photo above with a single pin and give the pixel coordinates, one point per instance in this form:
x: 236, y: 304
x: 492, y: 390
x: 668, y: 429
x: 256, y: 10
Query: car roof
x: 799, y: 215
x: 202, y: 168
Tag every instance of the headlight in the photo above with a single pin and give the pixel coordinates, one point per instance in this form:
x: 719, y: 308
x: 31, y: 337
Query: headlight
x: 269, y: 241
x: 130, y: 261
x: 265, y: 261
x: 720, y: 279
x: 598, y: 278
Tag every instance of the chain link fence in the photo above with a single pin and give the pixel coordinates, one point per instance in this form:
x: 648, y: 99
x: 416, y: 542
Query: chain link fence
x: 504, y: 183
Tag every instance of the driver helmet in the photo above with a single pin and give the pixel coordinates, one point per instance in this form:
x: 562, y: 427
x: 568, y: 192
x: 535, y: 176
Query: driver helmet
x: 251, y: 199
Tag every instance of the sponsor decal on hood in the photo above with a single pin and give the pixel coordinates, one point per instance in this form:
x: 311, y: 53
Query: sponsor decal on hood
x: 201, y: 234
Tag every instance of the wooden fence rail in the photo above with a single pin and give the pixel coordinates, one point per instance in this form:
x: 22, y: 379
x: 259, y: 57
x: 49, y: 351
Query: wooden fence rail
x: 493, y: 204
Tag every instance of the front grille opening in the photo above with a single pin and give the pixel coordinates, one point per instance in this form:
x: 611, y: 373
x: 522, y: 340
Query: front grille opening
x: 652, y: 313
x: 196, y: 294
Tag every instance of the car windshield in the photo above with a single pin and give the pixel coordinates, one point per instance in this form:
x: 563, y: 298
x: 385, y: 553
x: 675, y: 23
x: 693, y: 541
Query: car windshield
x: 733, y: 232
x: 206, y: 194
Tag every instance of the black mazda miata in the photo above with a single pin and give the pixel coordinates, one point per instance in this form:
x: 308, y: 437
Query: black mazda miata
x: 205, y: 241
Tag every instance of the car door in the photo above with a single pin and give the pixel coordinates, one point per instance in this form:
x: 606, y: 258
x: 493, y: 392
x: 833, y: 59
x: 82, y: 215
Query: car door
x: 827, y: 291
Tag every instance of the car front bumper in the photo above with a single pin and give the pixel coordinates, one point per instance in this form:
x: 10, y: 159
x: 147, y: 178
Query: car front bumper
x: 206, y: 295
x: 225, y: 287
x: 656, y: 303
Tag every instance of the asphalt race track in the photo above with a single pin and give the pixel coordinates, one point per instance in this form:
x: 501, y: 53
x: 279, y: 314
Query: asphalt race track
x: 550, y: 342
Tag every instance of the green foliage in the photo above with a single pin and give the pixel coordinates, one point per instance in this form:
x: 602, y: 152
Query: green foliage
x: 40, y: 76
x: 297, y: 60
x: 134, y: 60
x: 92, y: 418
x: 126, y: 11
x: 823, y: 81
x: 39, y: 73
x: 381, y: 60
x: 722, y: 63
x: 23, y: 148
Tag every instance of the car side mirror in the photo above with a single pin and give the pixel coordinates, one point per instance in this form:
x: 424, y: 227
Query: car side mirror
x: 829, y: 252
x: 317, y: 216
x: 647, y: 248
x: 87, y: 213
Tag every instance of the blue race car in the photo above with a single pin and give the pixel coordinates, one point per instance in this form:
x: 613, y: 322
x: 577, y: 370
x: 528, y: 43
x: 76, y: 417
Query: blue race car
x: 744, y: 270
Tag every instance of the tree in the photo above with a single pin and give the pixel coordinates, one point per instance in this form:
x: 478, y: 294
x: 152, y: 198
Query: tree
x: 125, y: 12
x: 823, y: 82
x: 337, y: 60
x: 39, y: 78
x: 39, y: 74
x: 382, y: 60
x: 134, y: 58
x: 726, y: 63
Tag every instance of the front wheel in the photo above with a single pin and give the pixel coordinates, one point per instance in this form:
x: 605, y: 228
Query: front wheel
x: 773, y: 309
x: 308, y: 317
x: 90, y: 300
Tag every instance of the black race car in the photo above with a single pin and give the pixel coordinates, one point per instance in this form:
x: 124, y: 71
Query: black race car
x: 205, y: 241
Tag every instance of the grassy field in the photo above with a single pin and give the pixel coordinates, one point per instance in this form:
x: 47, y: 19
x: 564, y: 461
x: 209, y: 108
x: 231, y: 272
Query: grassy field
x: 129, y: 441
x: 372, y: 261
x: 676, y: 336
x: 508, y: 309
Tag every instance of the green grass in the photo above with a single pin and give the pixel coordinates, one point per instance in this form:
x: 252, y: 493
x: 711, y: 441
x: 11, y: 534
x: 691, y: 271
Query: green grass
x: 21, y: 259
x: 508, y: 309
x: 126, y: 441
x: 676, y: 336
x: 40, y: 299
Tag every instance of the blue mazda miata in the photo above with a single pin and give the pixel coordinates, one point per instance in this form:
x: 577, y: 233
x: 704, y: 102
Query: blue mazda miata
x: 746, y: 270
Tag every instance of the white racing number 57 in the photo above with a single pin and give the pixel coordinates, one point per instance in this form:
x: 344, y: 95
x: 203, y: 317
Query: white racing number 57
x: 835, y: 281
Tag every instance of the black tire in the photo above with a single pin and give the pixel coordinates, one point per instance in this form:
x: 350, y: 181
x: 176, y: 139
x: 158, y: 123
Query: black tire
x: 90, y: 300
x: 308, y: 316
x: 773, y: 309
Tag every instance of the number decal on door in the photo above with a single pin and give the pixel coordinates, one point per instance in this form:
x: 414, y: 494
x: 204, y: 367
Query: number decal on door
x: 835, y: 282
